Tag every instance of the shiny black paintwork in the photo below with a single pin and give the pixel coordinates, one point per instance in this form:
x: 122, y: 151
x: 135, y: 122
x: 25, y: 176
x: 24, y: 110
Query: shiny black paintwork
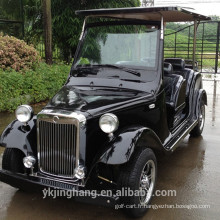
x: 146, y: 121
x: 16, y: 135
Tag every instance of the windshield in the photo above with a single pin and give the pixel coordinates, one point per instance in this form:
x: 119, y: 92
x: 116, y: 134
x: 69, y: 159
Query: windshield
x: 132, y: 46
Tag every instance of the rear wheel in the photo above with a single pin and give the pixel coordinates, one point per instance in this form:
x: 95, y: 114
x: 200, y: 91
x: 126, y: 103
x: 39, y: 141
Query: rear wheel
x: 139, y: 176
x: 13, y: 160
x: 197, y: 131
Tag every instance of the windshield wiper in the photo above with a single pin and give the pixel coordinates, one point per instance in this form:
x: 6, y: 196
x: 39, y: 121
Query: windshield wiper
x: 134, y: 72
x: 133, y: 80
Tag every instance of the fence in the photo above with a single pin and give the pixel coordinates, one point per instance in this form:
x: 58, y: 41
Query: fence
x: 11, y: 18
x: 41, y: 49
x: 180, y: 44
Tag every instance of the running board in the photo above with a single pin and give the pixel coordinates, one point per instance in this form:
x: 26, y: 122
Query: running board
x: 173, y: 144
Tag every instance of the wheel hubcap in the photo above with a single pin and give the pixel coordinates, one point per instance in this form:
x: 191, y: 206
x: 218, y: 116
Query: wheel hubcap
x: 147, y: 182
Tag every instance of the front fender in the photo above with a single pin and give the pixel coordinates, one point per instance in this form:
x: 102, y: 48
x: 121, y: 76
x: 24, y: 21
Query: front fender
x: 120, y: 149
x: 24, y: 138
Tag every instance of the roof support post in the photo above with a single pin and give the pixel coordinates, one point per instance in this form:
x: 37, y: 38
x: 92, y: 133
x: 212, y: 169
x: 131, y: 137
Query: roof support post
x: 162, y: 28
x: 83, y: 28
x: 194, y: 44
x: 217, y: 48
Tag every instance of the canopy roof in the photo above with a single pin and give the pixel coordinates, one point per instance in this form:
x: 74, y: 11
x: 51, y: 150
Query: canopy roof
x: 170, y: 14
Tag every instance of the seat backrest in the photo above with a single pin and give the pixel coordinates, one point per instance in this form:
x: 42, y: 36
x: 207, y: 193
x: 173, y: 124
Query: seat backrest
x: 177, y: 63
x: 175, y: 89
x: 179, y: 69
x: 167, y: 68
x: 187, y: 74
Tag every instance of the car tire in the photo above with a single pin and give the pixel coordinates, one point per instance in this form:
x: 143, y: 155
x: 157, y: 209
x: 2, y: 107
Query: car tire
x: 198, y: 129
x: 12, y: 160
x: 135, y: 176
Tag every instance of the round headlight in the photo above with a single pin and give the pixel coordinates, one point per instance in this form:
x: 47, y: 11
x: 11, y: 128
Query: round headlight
x: 108, y: 123
x: 24, y: 113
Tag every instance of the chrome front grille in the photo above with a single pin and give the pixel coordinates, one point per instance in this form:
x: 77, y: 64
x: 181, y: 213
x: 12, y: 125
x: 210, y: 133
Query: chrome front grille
x: 57, y: 143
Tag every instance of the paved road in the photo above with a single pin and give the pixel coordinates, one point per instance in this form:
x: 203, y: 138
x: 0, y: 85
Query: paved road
x: 192, y: 170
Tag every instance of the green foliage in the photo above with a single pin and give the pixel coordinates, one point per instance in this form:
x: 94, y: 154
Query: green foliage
x: 84, y: 61
x: 205, y: 44
x: 11, y: 11
x: 66, y: 25
x: 215, y: 18
x: 16, y: 54
x: 98, y: 36
x: 33, y: 24
x: 31, y: 86
x: 210, y: 29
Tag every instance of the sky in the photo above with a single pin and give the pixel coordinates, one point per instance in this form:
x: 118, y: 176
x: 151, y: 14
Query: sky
x: 206, y: 7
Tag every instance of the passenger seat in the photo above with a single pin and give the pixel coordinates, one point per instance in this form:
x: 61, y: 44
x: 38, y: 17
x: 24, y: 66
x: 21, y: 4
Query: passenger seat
x: 174, y: 85
x: 175, y: 90
x: 178, y: 65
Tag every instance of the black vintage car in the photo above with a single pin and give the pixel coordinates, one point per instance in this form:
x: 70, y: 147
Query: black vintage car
x: 121, y: 104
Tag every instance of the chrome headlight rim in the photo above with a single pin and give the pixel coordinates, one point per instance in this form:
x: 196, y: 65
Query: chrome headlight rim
x: 113, y: 127
x: 27, y: 113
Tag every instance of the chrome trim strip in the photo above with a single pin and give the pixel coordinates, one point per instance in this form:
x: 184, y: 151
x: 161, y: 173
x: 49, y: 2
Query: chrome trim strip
x: 174, y: 146
x: 81, y: 183
x: 63, y: 113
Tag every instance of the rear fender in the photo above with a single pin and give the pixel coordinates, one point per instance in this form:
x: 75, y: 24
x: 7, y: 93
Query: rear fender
x: 120, y: 149
x: 199, y: 97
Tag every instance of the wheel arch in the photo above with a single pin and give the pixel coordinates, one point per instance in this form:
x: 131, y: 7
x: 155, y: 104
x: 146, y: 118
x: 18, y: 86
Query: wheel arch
x: 200, y: 97
x: 21, y: 137
x: 121, y: 148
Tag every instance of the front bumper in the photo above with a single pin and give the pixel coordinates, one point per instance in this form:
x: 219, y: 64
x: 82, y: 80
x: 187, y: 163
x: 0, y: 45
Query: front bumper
x: 39, y: 183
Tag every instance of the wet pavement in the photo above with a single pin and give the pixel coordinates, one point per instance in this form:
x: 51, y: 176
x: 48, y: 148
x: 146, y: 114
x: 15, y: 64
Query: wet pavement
x: 193, y: 170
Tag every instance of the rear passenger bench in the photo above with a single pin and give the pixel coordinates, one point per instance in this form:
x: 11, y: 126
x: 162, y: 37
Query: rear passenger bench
x: 178, y: 65
x: 177, y: 81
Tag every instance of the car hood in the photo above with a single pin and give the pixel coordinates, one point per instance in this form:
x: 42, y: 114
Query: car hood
x: 94, y: 100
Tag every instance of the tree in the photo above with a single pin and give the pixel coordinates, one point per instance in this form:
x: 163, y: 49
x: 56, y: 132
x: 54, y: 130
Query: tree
x: 33, y: 17
x: 11, y: 18
x: 67, y: 26
x: 47, y: 30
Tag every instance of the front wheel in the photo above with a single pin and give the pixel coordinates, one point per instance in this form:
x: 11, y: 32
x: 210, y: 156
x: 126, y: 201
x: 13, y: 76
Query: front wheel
x: 12, y: 160
x: 197, y: 131
x: 138, y: 177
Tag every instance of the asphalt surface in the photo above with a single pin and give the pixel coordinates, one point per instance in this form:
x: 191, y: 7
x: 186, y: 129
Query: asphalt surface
x: 193, y: 170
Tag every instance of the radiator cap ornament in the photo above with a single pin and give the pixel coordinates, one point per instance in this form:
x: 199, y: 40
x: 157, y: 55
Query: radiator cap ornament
x: 55, y: 119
